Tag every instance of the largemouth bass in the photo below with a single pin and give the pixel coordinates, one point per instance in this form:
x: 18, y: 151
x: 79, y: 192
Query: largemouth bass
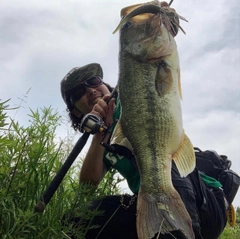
x: 151, y: 118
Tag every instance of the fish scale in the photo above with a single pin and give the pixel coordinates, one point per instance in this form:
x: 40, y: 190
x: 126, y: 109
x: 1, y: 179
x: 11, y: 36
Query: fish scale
x: 151, y: 117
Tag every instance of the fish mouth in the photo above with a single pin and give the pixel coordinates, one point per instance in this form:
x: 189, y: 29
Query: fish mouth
x: 142, y: 12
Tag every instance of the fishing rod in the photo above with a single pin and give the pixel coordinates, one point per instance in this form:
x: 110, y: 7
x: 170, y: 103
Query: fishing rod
x: 53, y: 186
x: 90, y: 124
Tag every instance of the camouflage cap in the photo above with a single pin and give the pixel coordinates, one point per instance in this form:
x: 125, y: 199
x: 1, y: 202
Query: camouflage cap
x: 76, y: 76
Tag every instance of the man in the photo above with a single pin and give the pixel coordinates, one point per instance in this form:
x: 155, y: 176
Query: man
x: 84, y: 92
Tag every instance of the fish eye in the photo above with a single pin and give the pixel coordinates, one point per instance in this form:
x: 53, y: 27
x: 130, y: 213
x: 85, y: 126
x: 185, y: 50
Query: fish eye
x: 126, y: 25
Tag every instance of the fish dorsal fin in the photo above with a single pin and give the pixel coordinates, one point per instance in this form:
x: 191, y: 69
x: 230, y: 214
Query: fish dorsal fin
x: 119, y: 138
x: 185, y: 157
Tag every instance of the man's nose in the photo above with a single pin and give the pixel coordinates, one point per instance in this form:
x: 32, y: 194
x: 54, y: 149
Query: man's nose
x: 90, y: 90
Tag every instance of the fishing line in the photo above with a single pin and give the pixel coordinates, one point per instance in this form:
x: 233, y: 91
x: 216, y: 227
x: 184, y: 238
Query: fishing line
x: 170, y: 2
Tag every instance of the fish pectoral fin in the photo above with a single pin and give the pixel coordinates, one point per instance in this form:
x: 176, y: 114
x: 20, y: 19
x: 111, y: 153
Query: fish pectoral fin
x: 185, y: 157
x: 119, y: 138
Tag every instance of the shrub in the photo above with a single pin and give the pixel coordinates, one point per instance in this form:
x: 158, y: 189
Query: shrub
x: 30, y: 158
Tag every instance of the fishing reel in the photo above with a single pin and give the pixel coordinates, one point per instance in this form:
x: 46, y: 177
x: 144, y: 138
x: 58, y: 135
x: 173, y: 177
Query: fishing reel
x: 92, y: 124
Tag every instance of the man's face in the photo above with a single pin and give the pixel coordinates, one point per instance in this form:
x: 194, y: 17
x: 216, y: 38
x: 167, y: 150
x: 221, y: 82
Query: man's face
x: 85, y: 104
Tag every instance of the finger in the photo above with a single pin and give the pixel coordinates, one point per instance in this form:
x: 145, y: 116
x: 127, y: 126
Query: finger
x: 98, y: 110
x: 106, y: 97
x: 102, y: 103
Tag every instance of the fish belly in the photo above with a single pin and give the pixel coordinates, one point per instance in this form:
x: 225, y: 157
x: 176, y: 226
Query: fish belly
x: 153, y: 125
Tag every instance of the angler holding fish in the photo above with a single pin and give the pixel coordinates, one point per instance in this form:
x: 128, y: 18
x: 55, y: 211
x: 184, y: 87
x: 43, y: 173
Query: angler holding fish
x: 147, y: 145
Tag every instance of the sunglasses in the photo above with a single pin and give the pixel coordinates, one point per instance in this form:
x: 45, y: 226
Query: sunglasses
x: 80, y: 91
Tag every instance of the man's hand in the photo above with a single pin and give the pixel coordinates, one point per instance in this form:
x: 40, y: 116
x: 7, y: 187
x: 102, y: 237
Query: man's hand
x: 104, y: 110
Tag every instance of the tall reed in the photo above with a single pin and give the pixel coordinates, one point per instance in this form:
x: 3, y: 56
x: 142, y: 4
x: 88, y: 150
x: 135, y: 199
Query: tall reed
x: 30, y: 158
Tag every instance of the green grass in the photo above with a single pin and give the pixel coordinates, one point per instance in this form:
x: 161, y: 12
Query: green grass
x: 231, y: 232
x: 30, y: 158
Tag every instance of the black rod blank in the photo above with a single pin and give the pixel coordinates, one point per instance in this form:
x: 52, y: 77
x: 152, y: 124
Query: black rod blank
x: 53, y: 186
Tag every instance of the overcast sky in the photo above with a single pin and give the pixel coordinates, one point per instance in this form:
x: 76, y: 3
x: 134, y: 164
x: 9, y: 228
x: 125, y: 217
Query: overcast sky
x: 42, y: 40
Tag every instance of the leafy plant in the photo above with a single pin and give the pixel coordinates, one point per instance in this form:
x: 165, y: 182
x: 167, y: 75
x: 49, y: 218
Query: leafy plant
x: 232, y: 232
x: 30, y: 158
